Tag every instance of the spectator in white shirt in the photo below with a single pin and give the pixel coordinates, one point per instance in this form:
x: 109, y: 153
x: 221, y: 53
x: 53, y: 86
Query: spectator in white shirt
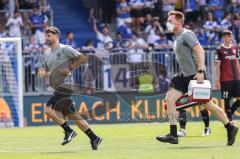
x: 138, y: 43
x: 163, y: 43
x: 226, y: 22
x: 103, y: 36
x: 38, y: 22
x: 211, y: 23
x: 15, y: 23
x: 69, y: 40
x: 153, y: 31
x: 32, y: 47
x: 88, y: 47
x: 212, y: 28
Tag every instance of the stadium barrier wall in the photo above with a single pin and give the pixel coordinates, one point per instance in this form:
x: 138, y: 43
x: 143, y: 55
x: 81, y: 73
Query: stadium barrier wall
x: 130, y: 108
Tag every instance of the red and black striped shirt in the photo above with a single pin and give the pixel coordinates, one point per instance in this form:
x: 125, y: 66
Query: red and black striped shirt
x: 229, y: 58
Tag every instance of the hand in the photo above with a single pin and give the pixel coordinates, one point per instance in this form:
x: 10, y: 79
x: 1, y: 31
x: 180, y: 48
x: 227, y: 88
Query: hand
x: 42, y: 73
x: 218, y: 85
x: 65, y: 71
x: 199, y: 77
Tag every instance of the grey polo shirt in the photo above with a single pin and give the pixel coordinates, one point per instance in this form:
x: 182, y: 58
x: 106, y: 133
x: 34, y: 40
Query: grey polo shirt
x: 185, y: 56
x: 56, y: 59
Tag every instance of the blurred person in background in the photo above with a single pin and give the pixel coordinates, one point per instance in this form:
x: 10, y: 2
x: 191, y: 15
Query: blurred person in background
x: 38, y: 22
x: 138, y: 43
x: 202, y: 10
x: 108, y: 10
x: 152, y: 31
x: 147, y: 20
x: 123, y: 11
x: 202, y: 37
x: 212, y: 28
x: 236, y: 29
x: 119, y: 39
x: 32, y: 46
x: 88, y: 47
x: 217, y: 8
x: 137, y: 7
x: 28, y: 4
x: 103, y: 37
x: 32, y: 50
x: 226, y: 22
x: 126, y: 29
x: 69, y: 40
x: 12, y: 6
x: 151, y: 7
x: 168, y: 5
x: 191, y: 10
x: 234, y: 6
x: 163, y: 43
x: 14, y: 24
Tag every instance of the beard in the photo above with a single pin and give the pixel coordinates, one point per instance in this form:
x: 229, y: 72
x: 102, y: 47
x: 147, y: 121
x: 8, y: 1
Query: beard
x: 48, y: 42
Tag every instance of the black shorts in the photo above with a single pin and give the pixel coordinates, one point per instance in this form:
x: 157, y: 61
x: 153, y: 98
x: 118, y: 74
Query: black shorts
x: 61, y: 101
x: 136, y: 13
x: 230, y: 89
x: 146, y: 11
x: 180, y: 83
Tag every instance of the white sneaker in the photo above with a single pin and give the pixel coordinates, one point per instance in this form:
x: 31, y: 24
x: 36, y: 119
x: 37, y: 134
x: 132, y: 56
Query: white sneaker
x: 181, y: 133
x: 207, y: 131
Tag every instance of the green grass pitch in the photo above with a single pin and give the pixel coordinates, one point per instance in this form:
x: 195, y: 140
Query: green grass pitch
x: 120, y: 141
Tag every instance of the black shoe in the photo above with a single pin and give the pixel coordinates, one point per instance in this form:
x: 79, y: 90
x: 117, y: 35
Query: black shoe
x: 168, y: 138
x: 232, y: 135
x: 68, y: 137
x: 95, y: 143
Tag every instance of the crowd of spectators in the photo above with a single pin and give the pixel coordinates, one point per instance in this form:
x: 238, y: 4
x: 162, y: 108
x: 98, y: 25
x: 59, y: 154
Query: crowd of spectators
x: 139, y: 25
x: 143, y: 22
x: 26, y: 19
x: 140, y: 21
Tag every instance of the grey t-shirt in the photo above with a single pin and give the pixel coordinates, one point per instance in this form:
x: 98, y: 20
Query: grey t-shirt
x: 185, y: 56
x: 55, y: 60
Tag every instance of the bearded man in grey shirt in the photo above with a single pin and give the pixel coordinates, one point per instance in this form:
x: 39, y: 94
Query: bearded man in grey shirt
x: 191, y: 59
x: 59, y: 61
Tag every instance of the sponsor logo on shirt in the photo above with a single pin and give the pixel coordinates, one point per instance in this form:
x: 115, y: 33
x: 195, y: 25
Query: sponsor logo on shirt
x: 234, y: 51
x: 231, y: 57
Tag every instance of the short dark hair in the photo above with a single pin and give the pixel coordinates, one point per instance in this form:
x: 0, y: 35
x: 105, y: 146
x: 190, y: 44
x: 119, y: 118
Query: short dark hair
x: 227, y: 32
x: 89, y: 41
x: 178, y: 15
x: 68, y: 33
x: 236, y: 17
x: 119, y: 33
x: 53, y: 30
x: 226, y: 14
x: 106, y: 26
x: 16, y: 11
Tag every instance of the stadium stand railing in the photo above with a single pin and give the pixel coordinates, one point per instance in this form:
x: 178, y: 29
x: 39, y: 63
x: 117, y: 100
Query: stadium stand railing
x: 165, y: 66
